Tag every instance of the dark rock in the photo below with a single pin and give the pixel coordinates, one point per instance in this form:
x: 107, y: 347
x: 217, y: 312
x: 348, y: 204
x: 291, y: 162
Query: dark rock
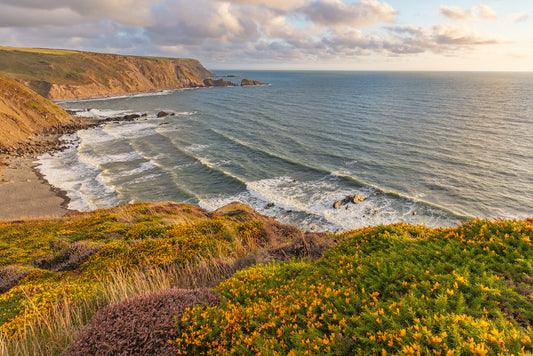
x: 131, y: 117
x: 249, y: 82
x: 218, y: 83
x: 270, y: 205
x: 162, y: 114
x: 354, y: 199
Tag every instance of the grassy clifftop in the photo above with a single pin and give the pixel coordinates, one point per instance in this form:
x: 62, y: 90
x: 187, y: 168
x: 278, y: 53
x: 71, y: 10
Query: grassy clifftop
x: 23, y: 113
x: 63, y: 74
x: 396, y: 289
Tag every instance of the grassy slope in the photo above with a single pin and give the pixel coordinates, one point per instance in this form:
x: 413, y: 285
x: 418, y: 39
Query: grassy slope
x: 53, y: 73
x: 23, y: 112
x: 69, y: 255
x: 399, y: 289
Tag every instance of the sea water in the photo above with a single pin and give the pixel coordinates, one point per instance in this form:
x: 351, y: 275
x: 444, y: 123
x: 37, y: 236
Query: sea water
x: 425, y: 148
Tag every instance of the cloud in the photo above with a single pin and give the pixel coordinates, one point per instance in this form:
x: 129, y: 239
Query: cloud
x: 201, y: 22
x: 358, y: 14
x: 486, y: 12
x: 519, y: 17
x: 131, y: 12
x: 456, y: 13
x: 238, y: 31
x: 11, y: 16
x: 285, y: 5
x: 441, y: 39
x: 459, y: 14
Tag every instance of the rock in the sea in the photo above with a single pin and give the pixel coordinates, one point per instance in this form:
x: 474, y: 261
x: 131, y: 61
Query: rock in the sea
x: 131, y: 117
x: 162, y: 114
x: 218, y: 83
x: 355, y: 199
x: 249, y: 82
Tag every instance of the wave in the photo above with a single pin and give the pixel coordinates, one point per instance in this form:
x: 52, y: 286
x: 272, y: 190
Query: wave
x: 82, y: 182
x: 268, y: 153
x: 309, y: 204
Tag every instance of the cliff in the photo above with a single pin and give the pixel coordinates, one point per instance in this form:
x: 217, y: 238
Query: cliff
x: 23, y: 113
x: 62, y: 74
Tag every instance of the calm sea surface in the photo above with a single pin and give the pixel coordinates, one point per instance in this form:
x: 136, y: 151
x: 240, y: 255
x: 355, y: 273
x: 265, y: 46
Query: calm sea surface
x: 431, y: 148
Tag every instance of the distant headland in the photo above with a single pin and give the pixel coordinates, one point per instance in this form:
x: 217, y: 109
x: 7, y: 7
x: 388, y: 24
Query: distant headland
x: 65, y: 74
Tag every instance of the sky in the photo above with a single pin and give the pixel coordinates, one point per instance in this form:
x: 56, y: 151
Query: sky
x: 466, y: 35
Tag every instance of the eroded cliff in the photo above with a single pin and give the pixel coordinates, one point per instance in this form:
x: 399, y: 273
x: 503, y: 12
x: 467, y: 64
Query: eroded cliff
x: 62, y: 74
x: 23, y: 113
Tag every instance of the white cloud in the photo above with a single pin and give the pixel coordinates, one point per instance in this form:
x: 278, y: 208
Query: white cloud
x: 459, y: 14
x: 486, y: 12
x: 456, y: 13
x: 519, y: 17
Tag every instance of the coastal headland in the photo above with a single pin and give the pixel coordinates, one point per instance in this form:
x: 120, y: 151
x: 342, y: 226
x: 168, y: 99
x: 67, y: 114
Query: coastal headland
x: 65, y: 74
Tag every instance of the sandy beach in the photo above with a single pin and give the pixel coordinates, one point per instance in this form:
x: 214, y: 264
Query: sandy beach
x: 24, y: 194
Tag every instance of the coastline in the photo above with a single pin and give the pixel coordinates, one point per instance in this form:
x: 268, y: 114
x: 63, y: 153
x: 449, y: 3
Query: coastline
x: 26, y: 194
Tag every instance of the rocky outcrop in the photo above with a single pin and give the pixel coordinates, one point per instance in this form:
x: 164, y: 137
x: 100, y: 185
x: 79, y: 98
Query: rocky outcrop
x: 354, y: 199
x: 58, y: 74
x: 218, y: 83
x: 249, y: 82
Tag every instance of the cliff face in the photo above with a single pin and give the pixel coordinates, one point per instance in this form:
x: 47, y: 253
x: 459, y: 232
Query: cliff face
x: 24, y: 112
x: 58, y: 74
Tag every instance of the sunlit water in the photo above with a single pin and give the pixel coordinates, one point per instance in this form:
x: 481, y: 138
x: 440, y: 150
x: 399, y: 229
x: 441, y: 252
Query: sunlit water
x: 431, y: 148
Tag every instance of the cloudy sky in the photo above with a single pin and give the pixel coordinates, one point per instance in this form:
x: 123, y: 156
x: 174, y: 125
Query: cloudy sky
x: 286, y: 34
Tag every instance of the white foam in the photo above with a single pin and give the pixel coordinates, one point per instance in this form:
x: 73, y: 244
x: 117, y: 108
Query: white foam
x: 97, y: 160
x: 82, y: 182
x: 94, y: 135
x: 130, y: 129
x: 311, y: 204
x: 144, y: 178
x: 99, y: 113
x: 196, y: 148
x: 145, y: 166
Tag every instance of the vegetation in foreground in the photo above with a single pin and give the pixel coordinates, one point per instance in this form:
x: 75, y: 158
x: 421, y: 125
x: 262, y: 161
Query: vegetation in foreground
x: 395, y: 289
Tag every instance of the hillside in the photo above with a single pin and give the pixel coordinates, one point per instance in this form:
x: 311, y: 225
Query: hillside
x: 24, y: 112
x: 140, y: 272
x: 62, y: 74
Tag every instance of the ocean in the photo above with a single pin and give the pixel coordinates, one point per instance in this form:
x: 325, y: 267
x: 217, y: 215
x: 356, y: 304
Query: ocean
x: 425, y: 148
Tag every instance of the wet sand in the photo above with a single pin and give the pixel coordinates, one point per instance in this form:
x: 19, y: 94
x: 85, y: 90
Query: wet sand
x: 24, y: 194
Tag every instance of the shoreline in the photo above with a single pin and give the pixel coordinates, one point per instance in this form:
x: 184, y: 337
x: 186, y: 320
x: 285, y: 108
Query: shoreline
x: 26, y: 194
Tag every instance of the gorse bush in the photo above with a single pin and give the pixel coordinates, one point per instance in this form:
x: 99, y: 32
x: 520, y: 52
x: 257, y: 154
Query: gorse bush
x: 389, y: 289
x: 139, y: 326
x: 66, y: 260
